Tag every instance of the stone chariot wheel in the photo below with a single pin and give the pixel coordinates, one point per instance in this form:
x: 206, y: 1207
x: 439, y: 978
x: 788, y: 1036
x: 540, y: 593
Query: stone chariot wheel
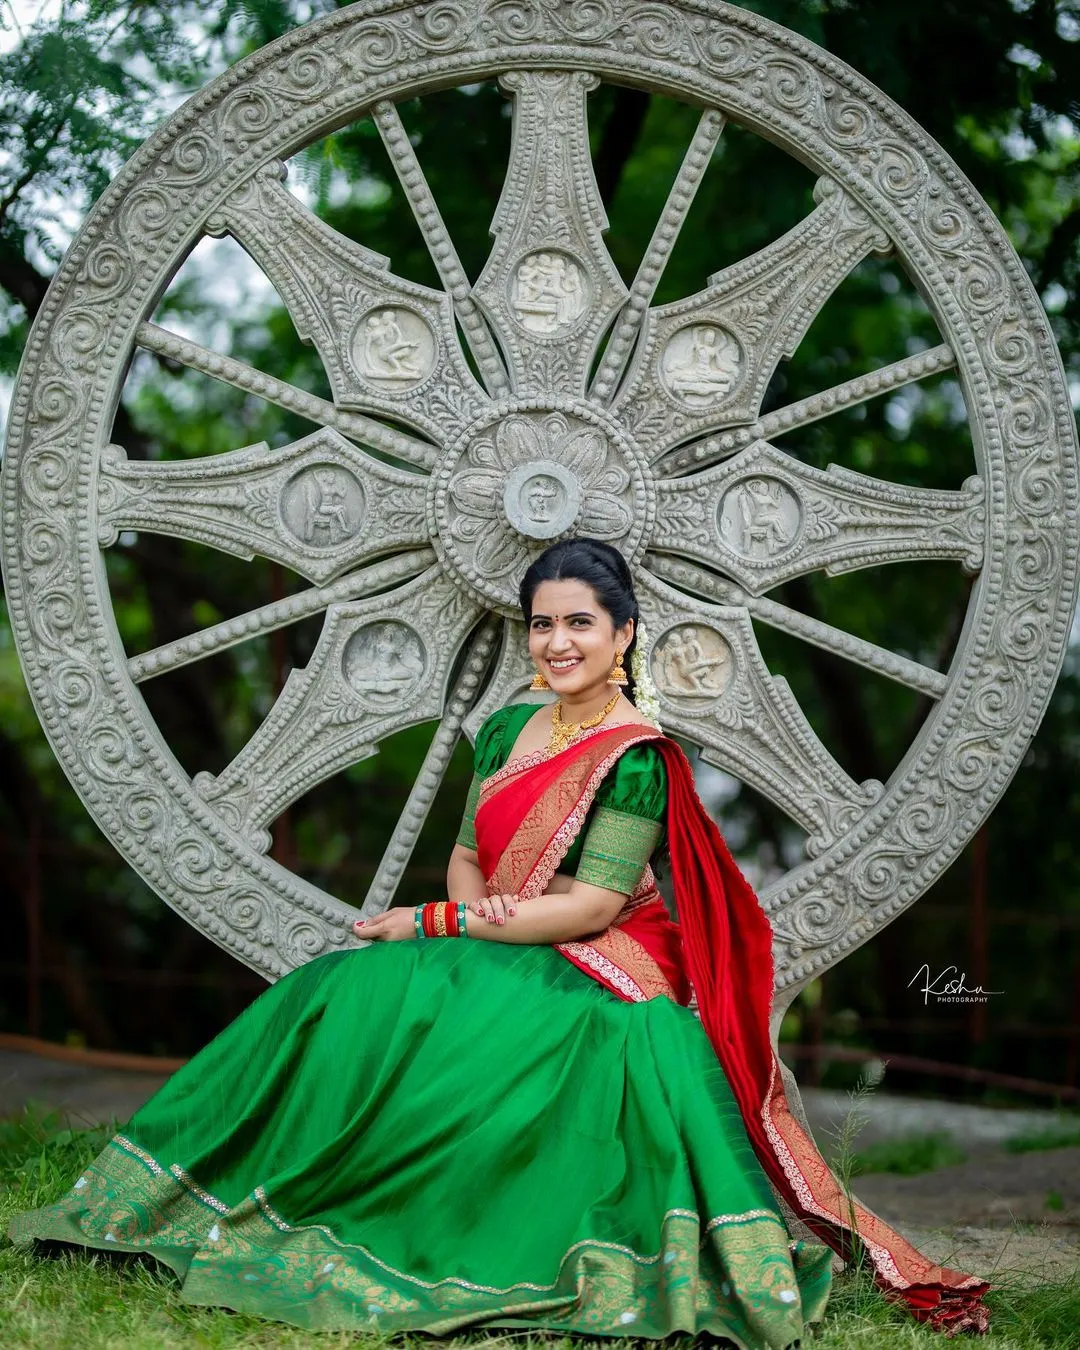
x: 591, y: 411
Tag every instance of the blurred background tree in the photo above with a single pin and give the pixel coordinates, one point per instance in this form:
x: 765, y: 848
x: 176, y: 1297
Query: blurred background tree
x: 994, y: 81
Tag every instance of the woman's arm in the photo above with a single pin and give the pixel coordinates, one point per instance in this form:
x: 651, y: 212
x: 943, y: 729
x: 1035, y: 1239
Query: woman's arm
x: 582, y: 911
x: 560, y: 917
x: 464, y: 880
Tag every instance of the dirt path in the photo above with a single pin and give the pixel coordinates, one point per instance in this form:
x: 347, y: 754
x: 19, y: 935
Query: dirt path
x: 998, y: 1212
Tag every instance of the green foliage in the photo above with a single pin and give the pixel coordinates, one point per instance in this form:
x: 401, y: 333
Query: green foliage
x: 908, y: 1156
x: 1064, y: 1133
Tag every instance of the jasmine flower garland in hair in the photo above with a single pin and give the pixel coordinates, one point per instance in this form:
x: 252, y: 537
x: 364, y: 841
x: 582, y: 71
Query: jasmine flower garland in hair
x: 646, y: 699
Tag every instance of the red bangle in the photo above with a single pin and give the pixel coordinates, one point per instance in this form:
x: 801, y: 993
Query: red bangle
x: 429, y: 920
x: 452, y: 929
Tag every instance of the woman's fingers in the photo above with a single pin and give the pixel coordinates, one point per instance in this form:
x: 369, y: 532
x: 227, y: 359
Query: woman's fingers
x: 495, y: 908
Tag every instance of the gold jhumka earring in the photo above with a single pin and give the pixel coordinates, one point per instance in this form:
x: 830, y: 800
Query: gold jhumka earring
x: 618, y: 675
x: 539, y: 681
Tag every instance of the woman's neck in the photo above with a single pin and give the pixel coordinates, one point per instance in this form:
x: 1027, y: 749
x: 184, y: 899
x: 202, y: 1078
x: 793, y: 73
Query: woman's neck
x: 581, y: 706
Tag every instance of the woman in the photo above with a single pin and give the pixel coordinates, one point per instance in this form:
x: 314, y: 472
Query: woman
x: 529, y: 1127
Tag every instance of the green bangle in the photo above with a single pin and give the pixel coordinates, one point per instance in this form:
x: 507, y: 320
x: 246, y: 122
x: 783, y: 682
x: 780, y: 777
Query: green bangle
x: 462, y: 930
x: 418, y: 920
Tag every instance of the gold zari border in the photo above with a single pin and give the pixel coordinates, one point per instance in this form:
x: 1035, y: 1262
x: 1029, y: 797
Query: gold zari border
x: 734, y: 1274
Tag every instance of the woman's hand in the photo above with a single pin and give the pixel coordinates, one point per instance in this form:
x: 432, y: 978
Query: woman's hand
x: 495, y: 908
x: 394, y: 925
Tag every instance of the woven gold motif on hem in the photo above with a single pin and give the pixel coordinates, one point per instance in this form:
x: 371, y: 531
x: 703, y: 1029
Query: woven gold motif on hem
x: 732, y: 1274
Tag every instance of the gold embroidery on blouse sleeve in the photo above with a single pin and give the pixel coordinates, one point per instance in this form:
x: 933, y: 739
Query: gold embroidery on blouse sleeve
x: 617, y: 849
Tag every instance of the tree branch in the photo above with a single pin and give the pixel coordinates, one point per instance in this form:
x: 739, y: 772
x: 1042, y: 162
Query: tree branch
x: 21, y: 279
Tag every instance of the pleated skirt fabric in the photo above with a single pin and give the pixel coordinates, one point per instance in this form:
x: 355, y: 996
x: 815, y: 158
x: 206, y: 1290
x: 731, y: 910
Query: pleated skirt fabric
x: 445, y: 1135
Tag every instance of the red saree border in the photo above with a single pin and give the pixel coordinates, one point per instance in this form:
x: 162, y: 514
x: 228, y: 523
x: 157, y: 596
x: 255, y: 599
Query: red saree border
x: 623, y: 957
x: 581, y: 768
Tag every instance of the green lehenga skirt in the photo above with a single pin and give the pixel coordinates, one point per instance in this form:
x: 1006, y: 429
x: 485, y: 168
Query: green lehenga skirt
x: 441, y: 1135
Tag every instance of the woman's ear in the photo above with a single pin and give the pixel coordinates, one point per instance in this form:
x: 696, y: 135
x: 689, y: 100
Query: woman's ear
x: 624, y: 635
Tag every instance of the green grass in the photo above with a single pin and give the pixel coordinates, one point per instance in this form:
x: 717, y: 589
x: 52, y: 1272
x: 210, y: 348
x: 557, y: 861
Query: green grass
x: 80, y: 1301
x: 908, y: 1155
x: 1064, y: 1133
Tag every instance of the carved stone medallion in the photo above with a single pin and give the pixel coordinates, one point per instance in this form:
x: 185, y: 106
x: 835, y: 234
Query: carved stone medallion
x: 692, y: 665
x: 384, y: 663
x: 323, y: 505
x: 760, y: 518
x: 701, y: 364
x: 394, y: 348
x: 524, y: 476
x: 473, y: 422
x: 542, y: 499
x: 549, y: 293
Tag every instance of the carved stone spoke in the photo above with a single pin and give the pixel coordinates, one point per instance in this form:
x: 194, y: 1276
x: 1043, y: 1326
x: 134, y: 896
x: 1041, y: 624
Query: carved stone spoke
x: 318, y: 505
x: 762, y: 517
x: 443, y: 254
x: 717, y: 690
x: 374, y: 671
x: 407, y: 831
x: 240, y: 375
x: 680, y: 198
x: 704, y: 362
x: 549, y: 287
x: 709, y: 586
x: 700, y: 454
x: 389, y: 346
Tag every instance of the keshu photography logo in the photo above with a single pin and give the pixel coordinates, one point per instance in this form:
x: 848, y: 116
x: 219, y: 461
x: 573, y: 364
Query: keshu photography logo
x: 949, y: 987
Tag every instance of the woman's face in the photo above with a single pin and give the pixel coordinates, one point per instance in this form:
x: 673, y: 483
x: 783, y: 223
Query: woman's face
x: 572, y: 638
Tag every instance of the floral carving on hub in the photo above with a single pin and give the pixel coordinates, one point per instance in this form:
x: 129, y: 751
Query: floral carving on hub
x: 524, y: 477
x: 469, y: 424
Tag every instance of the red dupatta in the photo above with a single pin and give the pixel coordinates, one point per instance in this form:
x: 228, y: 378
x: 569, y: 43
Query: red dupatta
x: 528, y: 815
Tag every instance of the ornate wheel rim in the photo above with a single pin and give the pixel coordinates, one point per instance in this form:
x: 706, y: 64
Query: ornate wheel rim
x: 664, y: 452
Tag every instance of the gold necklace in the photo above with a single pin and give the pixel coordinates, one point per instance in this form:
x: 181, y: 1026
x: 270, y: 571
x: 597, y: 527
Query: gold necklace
x: 563, y: 733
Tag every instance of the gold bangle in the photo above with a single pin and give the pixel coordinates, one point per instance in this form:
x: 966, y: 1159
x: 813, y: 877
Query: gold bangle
x: 440, y: 921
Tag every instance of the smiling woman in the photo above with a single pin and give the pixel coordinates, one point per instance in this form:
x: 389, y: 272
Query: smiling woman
x: 581, y: 1152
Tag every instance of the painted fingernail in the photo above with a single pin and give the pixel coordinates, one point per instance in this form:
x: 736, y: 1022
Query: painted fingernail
x: 513, y: 910
x: 500, y: 920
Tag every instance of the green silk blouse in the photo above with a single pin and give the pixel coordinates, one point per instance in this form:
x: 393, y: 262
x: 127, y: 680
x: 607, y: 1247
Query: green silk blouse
x: 624, y: 825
